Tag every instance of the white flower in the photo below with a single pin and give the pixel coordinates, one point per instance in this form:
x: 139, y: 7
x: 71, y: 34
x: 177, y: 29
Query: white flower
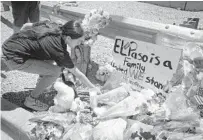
x: 94, y: 21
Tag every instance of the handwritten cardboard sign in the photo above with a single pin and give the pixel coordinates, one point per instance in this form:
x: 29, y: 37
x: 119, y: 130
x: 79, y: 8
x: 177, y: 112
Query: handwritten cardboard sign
x: 145, y: 64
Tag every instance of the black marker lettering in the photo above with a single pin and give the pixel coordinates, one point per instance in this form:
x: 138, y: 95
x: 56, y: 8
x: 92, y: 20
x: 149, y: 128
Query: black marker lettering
x: 168, y: 64
x: 116, y: 45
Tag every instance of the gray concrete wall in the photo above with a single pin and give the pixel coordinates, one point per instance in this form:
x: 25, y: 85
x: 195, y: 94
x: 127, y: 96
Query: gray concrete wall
x: 194, y: 6
x: 183, y: 5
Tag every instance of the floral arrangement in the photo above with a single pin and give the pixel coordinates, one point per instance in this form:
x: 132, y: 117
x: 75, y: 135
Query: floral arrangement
x: 93, y: 22
x: 193, y: 75
x: 48, y: 130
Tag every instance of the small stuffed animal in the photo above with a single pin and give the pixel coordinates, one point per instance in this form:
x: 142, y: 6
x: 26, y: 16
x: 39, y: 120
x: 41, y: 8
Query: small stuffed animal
x: 111, y: 77
x: 104, y: 72
x: 64, y: 98
x: 66, y: 93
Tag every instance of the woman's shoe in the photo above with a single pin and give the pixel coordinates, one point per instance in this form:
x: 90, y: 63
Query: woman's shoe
x: 35, y: 104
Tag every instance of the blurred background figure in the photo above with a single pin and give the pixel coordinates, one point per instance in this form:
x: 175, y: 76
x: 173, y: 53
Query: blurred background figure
x: 24, y: 10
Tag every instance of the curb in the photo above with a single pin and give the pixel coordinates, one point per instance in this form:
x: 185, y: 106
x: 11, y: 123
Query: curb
x: 15, y: 121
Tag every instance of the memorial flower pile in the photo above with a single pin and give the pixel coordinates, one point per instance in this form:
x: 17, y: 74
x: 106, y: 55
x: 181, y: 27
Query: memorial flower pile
x: 122, y: 111
x: 47, y: 130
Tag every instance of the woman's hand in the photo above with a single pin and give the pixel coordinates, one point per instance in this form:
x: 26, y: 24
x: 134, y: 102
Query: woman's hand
x: 83, y: 79
x: 96, y: 90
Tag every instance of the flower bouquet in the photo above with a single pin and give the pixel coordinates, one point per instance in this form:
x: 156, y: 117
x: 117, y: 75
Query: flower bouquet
x: 92, y: 23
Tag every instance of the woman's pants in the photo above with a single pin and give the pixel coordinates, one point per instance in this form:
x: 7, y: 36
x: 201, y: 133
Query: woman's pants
x: 49, y: 72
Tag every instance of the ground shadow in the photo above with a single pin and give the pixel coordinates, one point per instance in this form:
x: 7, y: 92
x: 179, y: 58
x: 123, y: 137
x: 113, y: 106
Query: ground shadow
x: 7, y: 106
x: 13, y: 100
x: 6, y: 22
x: 18, y: 98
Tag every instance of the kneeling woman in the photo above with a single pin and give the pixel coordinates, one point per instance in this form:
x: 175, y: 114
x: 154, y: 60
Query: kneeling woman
x: 29, y: 49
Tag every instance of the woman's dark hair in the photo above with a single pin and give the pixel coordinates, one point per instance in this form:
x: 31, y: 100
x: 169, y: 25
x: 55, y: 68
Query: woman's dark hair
x: 73, y: 29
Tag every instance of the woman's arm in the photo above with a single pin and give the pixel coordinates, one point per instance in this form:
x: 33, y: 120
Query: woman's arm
x: 26, y: 26
x: 81, y: 77
x: 40, y: 23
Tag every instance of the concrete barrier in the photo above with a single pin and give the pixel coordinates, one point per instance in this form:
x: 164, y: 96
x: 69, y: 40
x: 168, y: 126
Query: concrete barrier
x: 128, y: 27
x: 15, y: 122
